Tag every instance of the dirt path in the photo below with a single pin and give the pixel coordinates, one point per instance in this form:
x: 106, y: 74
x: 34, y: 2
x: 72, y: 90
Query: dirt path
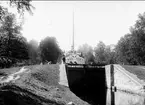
x: 62, y: 75
x: 14, y: 76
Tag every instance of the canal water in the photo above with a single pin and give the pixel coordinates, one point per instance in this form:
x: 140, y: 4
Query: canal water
x: 109, y: 97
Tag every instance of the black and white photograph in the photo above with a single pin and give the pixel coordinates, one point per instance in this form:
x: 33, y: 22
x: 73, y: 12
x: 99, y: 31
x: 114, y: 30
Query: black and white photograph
x: 77, y: 52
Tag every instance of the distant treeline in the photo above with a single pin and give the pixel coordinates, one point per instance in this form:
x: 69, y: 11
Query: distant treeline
x: 129, y: 50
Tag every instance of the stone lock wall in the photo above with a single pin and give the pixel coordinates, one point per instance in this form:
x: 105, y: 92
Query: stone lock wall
x: 122, y: 80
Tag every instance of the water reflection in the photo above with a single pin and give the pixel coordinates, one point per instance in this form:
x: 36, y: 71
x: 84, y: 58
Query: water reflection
x: 109, y: 97
x: 123, y: 98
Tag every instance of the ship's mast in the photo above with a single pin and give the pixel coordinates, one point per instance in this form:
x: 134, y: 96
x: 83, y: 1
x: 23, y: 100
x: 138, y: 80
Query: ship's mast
x: 73, y: 34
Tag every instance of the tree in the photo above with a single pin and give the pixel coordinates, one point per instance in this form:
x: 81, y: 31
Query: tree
x: 22, y: 5
x: 33, y: 51
x: 110, y: 54
x: 49, y: 50
x: 131, y: 48
x: 7, y: 53
x: 100, y: 53
x: 122, y: 49
x: 86, y: 51
x: 13, y: 46
x: 104, y: 54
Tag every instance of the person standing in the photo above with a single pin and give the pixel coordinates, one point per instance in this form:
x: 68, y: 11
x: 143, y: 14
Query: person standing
x: 63, y: 58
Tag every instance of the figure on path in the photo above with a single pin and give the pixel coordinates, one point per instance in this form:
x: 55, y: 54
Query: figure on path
x: 63, y: 58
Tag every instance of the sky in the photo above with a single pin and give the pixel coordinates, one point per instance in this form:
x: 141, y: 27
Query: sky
x: 94, y: 21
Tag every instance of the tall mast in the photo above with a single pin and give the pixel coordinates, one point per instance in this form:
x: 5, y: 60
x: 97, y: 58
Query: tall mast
x: 73, y: 33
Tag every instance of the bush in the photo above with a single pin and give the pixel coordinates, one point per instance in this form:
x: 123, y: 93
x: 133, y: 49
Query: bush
x: 6, y: 62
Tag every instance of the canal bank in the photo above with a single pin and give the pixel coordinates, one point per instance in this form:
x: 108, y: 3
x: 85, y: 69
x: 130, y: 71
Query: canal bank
x: 126, y: 78
x: 35, y: 85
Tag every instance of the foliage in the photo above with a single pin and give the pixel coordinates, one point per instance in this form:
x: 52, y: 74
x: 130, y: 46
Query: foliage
x: 21, y: 5
x: 110, y: 54
x: 122, y: 49
x: 104, y: 54
x: 131, y: 48
x: 33, y: 52
x: 100, y: 52
x: 49, y: 50
x: 87, y: 52
x: 13, y: 46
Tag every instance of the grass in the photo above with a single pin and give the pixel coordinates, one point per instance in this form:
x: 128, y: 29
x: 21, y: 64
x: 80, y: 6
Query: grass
x: 48, y: 74
x: 42, y: 82
x: 139, y: 71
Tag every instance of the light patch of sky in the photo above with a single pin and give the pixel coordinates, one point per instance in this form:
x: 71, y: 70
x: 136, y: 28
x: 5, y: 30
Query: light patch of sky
x: 94, y: 21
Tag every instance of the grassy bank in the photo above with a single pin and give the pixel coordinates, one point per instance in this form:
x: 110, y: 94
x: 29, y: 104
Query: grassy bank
x: 40, y: 86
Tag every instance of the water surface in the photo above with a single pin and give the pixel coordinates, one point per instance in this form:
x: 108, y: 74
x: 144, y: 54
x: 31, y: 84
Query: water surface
x: 109, y: 97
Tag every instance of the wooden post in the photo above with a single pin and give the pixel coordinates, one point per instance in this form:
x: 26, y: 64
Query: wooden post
x: 112, y: 97
x: 112, y: 76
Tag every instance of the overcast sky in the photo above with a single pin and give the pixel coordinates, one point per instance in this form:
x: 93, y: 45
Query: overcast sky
x: 94, y: 21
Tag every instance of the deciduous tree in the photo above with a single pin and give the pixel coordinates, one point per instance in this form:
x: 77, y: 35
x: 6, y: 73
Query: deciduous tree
x: 33, y: 51
x: 49, y: 50
x: 131, y: 48
x: 86, y: 51
x: 13, y: 46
